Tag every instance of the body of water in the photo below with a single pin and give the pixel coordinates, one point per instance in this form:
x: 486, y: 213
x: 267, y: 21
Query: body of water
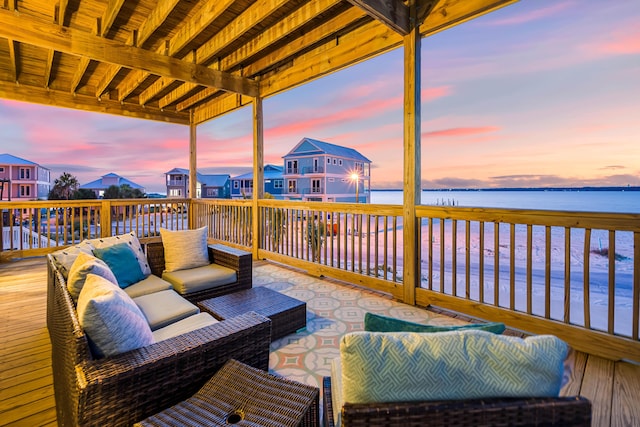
x: 570, y: 200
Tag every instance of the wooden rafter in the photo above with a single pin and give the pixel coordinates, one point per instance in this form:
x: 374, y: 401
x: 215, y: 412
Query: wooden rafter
x: 253, y: 15
x: 392, y: 13
x: 110, y: 15
x: 243, y: 54
x: 48, y: 66
x: 210, y: 12
x: 156, y: 18
x: 80, y: 43
x: 13, y: 55
x: 83, y: 63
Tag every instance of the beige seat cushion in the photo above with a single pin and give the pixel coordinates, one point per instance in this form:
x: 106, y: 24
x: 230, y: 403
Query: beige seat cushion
x: 200, y: 278
x: 164, y: 307
x: 151, y: 284
x: 183, y: 326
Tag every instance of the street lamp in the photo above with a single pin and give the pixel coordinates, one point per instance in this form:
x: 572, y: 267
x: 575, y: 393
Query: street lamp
x: 356, y: 178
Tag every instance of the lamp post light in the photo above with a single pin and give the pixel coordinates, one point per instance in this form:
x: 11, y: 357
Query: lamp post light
x: 356, y: 178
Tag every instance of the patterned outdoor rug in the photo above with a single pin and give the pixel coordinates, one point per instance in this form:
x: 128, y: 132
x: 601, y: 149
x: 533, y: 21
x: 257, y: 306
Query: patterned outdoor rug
x: 333, y: 309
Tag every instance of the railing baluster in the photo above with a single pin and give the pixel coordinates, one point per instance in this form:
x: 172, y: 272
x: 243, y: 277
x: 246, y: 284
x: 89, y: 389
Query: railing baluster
x: 496, y: 264
x: 611, y: 285
x: 586, y: 293
x: 512, y: 266
x: 547, y: 272
x: 567, y: 275
x: 467, y: 258
x: 454, y: 257
x: 529, y: 272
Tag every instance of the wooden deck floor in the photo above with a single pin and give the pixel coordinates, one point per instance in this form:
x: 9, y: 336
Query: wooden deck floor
x: 26, y: 391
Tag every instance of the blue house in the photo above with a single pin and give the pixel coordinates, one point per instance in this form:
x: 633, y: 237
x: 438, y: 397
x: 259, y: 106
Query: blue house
x: 207, y: 186
x: 319, y: 171
x: 242, y: 185
x: 100, y: 185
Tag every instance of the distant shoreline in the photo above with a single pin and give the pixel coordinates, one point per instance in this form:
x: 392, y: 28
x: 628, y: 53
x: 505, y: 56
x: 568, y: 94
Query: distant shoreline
x: 521, y: 189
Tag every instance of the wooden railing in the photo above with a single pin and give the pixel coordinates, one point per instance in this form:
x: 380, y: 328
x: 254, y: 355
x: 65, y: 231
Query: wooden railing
x: 571, y: 274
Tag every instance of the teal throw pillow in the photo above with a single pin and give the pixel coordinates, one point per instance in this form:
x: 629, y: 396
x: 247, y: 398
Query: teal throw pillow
x: 122, y: 262
x: 379, y: 323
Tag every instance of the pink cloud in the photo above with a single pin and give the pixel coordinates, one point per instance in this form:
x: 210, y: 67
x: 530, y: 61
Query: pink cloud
x: 461, y: 131
x: 622, y: 42
x: 535, y: 15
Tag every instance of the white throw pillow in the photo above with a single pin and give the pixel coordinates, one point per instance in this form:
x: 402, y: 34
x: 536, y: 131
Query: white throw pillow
x: 132, y: 240
x: 110, y: 318
x: 84, y: 265
x: 64, y: 258
x: 184, y: 249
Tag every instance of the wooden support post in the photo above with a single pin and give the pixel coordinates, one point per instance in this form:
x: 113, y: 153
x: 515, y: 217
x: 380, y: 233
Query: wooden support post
x: 412, y: 175
x: 258, y: 173
x: 193, y: 178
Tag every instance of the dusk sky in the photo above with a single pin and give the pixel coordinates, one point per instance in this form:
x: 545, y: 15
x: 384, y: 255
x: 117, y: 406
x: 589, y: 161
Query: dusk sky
x: 540, y: 93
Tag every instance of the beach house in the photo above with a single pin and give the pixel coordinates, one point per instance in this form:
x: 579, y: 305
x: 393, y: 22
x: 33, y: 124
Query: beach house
x: 99, y: 186
x: 212, y: 186
x: 322, y: 172
x: 242, y: 185
x: 22, y: 179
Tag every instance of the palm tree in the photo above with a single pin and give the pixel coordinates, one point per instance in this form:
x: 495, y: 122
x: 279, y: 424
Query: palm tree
x: 64, y: 187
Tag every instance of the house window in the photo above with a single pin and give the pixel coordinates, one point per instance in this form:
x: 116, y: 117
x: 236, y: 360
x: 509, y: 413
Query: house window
x: 278, y: 183
x: 328, y: 160
x: 236, y: 184
x: 315, y: 186
x: 175, y: 192
x: 291, y: 184
x: 335, y: 161
x: 25, y: 190
x: 1, y: 169
x: 25, y: 173
x: 249, y: 184
x: 292, y: 166
x: 212, y: 192
x: 340, y: 162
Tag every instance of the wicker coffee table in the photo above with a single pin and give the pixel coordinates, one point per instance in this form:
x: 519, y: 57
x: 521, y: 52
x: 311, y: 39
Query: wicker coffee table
x: 287, y: 314
x: 243, y: 395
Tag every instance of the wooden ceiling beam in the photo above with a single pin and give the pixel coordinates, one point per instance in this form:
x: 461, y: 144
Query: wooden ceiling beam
x: 209, y: 13
x: 75, y: 42
x: 84, y: 62
x: 273, y: 34
x: 392, y: 13
x: 155, y: 19
x: 48, y: 66
x: 88, y: 103
x: 254, y: 14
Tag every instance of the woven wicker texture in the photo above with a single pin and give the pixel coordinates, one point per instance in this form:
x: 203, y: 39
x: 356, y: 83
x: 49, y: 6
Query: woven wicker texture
x: 533, y: 412
x: 235, y: 259
x: 287, y: 314
x: 241, y: 395
x: 122, y: 389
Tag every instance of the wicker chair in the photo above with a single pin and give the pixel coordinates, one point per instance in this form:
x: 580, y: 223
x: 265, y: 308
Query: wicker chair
x: 120, y: 390
x: 560, y: 411
x: 235, y: 259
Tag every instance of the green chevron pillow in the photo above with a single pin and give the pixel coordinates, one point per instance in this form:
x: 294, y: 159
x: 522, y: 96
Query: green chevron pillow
x: 379, y: 323
x: 467, y: 364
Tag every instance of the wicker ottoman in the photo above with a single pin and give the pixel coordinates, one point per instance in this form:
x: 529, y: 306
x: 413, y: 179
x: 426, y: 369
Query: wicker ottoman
x: 287, y: 314
x: 243, y: 395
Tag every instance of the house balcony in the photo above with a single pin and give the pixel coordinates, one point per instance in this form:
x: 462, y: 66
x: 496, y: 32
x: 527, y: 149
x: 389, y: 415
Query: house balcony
x: 513, y: 266
x: 312, y: 169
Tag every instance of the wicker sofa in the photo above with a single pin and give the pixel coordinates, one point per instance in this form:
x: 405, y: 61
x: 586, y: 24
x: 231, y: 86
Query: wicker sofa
x: 557, y: 411
x: 122, y: 389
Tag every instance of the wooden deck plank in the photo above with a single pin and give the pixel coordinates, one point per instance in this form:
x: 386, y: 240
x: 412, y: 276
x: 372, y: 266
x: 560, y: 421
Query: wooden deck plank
x: 597, y: 386
x: 625, y: 407
x: 577, y: 362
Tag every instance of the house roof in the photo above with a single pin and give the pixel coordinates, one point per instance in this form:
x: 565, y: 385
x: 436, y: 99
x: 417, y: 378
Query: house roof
x: 270, y: 172
x: 166, y: 60
x: 308, y: 146
x: 9, y: 159
x: 99, y: 184
x: 214, y: 180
